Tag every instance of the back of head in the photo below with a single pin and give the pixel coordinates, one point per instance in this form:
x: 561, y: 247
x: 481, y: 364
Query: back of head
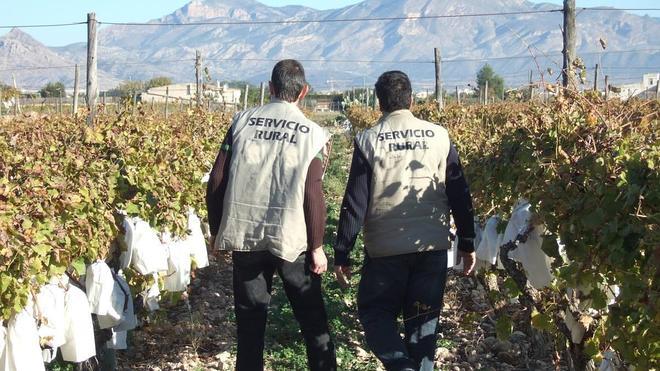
x: 394, y: 91
x: 288, y: 80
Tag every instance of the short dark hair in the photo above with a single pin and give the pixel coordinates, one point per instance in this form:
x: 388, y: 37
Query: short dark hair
x: 288, y: 79
x: 394, y: 91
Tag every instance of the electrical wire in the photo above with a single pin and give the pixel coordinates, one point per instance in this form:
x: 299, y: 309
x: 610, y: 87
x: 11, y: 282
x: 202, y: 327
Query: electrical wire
x: 44, y: 25
x: 335, y: 20
x: 294, y: 21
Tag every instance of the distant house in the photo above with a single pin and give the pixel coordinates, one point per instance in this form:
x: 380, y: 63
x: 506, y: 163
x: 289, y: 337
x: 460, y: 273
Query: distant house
x: 426, y: 94
x: 221, y: 94
x: 645, y: 89
x: 325, y: 103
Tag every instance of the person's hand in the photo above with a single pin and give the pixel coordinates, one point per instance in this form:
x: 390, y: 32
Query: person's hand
x: 468, y: 259
x: 215, y: 253
x: 343, y: 275
x: 319, y: 261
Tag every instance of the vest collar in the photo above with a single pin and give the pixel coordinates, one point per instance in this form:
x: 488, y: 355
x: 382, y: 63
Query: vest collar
x: 281, y: 101
x: 402, y: 113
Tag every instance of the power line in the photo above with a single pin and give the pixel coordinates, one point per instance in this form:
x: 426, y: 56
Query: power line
x: 335, y: 20
x: 294, y: 21
x: 620, y: 9
x: 45, y: 25
x: 626, y: 68
x: 147, y: 63
x: 31, y: 68
x: 319, y: 60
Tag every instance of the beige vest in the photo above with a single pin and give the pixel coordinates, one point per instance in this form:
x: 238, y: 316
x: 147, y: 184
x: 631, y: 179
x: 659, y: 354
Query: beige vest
x: 408, y: 209
x: 273, y: 146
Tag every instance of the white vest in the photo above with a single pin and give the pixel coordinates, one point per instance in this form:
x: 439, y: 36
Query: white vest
x: 273, y: 146
x: 408, y: 209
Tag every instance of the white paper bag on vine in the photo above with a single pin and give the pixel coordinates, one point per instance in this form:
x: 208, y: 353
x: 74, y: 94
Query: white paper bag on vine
x: 23, y: 351
x: 197, y: 241
x: 106, y: 297
x: 489, y: 244
x: 3, y: 345
x: 536, y: 263
x: 50, y: 311
x: 145, y: 252
x: 179, y: 262
x: 79, y: 332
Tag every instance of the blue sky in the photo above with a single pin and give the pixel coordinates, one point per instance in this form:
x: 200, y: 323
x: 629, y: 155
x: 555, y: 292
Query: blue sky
x: 51, y: 11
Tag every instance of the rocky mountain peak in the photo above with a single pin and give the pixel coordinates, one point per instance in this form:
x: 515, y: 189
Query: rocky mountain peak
x: 17, y: 35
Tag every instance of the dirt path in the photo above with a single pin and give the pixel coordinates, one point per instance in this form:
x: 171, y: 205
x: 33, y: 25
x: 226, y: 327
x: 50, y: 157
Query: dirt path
x: 201, y: 337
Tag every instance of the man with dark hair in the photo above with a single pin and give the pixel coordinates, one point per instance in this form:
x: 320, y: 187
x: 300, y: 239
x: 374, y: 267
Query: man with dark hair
x: 404, y: 181
x: 265, y: 203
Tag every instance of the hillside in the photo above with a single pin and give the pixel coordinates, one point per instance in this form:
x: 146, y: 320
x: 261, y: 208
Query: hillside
x: 247, y: 52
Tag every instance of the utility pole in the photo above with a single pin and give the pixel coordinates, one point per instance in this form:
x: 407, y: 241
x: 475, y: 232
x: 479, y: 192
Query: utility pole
x: 458, y: 96
x: 17, y: 105
x: 367, y: 95
x: 531, y: 85
x: 607, y: 87
x: 245, y: 98
x: 657, y: 90
x: 92, y: 83
x: 569, y: 43
x: 75, y: 90
x: 263, y: 93
x: 167, y: 102
x: 438, y: 78
x: 198, y: 77
x: 486, y: 93
x: 596, y: 78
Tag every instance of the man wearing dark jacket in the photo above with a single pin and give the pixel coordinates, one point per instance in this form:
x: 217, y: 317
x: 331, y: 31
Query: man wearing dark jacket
x: 404, y: 182
x: 265, y: 203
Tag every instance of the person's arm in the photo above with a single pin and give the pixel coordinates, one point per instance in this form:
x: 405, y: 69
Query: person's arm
x: 217, y: 185
x: 314, y: 204
x: 315, y: 214
x: 353, y: 208
x: 460, y: 204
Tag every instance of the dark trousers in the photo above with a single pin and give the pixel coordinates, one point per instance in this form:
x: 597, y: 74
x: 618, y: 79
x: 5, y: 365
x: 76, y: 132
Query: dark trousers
x: 253, y: 279
x: 412, y: 284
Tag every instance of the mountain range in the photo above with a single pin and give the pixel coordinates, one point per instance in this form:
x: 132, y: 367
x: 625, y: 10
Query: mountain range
x: 347, y: 53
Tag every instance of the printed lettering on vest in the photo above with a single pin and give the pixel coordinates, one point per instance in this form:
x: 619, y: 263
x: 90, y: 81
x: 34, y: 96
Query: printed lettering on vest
x: 407, y: 146
x: 273, y: 135
x: 406, y: 134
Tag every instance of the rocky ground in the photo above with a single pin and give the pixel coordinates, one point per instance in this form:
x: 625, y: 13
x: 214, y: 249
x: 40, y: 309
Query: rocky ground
x: 198, y: 334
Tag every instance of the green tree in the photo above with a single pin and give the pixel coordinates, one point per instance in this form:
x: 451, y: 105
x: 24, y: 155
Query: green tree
x: 53, y: 89
x: 127, y: 89
x: 158, y: 81
x: 254, y: 91
x: 495, y: 81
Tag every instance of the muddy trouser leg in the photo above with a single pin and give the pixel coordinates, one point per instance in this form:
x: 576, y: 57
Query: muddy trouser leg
x: 303, y: 288
x: 381, y: 295
x: 253, y: 279
x: 423, y: 303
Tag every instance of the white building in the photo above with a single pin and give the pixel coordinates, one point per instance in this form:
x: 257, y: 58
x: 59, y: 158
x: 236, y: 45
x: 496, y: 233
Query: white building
x: 645, y: 89
x: 221, y: 94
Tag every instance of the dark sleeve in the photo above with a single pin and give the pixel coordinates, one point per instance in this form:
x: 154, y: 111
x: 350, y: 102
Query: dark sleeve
x: 217, y: 185
x: 314, y: 204
x: 354, y: 207
x: 460, y: 201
